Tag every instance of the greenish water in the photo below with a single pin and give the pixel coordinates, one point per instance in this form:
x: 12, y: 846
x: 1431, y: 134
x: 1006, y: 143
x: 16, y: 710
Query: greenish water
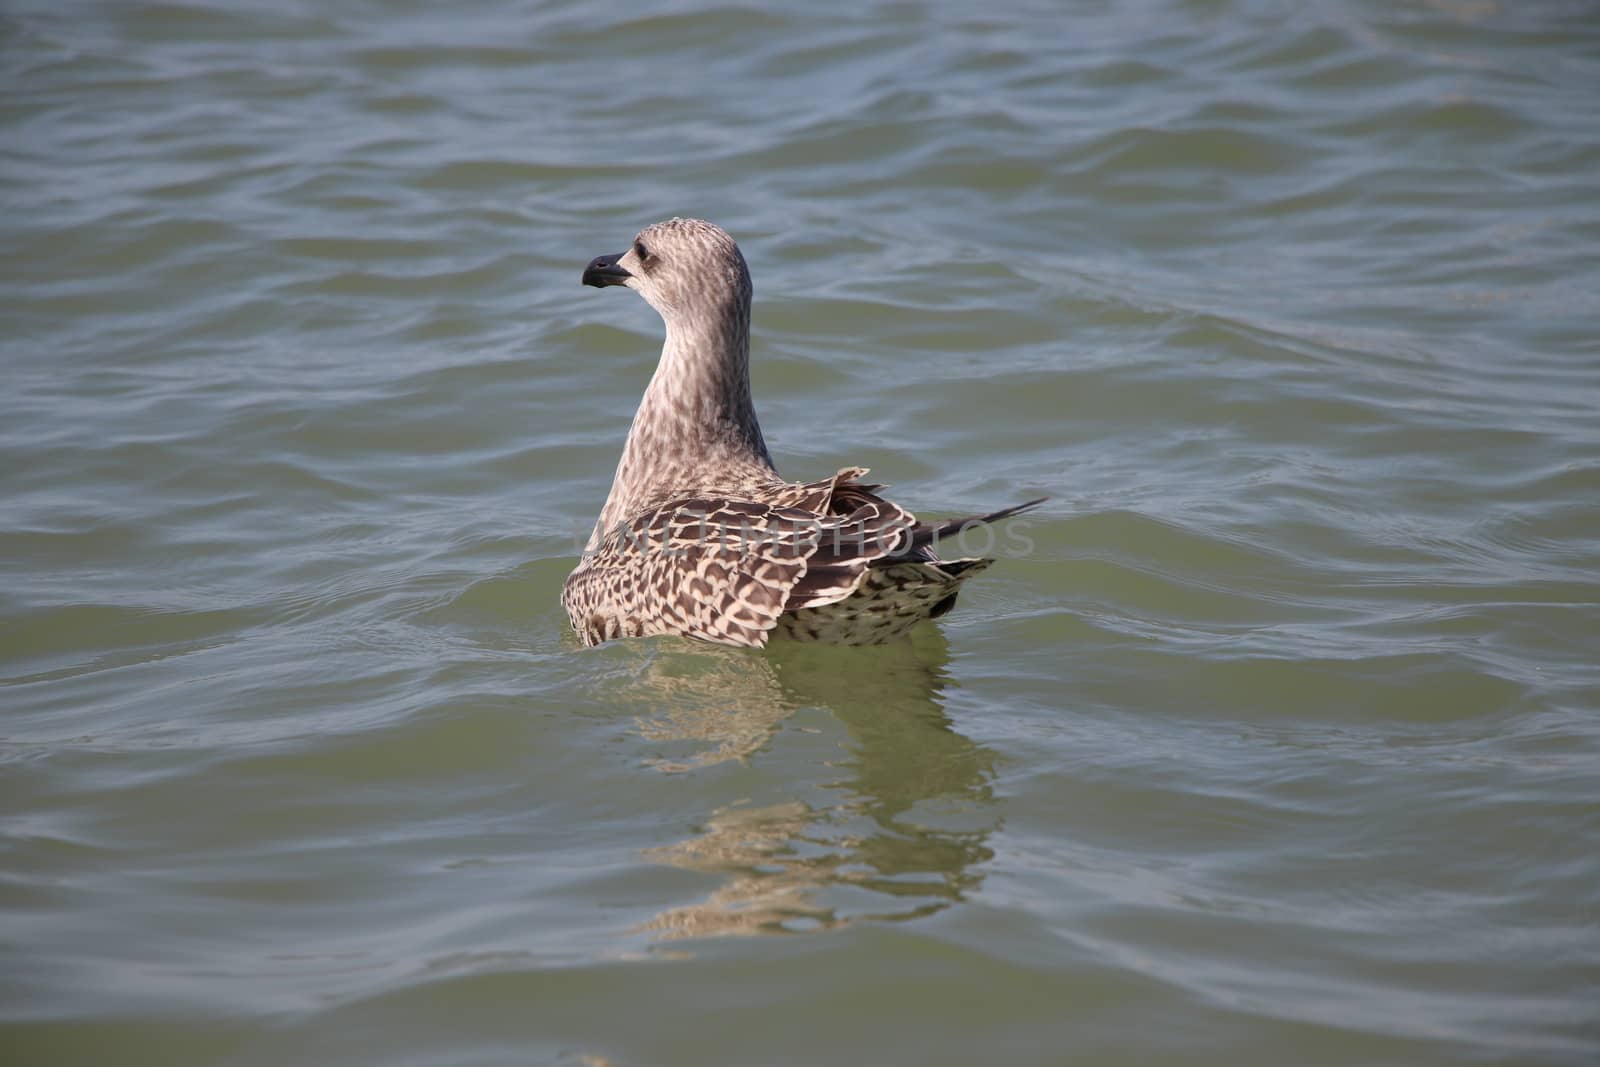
x: 1276, y: 742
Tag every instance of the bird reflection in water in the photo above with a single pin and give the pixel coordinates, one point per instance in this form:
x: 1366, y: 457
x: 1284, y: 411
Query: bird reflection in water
x: 891, y: 822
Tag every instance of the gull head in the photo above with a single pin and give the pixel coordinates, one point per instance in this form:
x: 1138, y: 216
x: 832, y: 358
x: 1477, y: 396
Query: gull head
x: 680, y: 267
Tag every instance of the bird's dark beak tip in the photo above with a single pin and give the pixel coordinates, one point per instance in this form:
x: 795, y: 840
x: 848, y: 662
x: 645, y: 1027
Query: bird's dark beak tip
x: 604, y: 270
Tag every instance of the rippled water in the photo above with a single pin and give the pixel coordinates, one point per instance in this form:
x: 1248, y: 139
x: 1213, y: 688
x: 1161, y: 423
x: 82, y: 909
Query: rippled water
x: 1276, y: 742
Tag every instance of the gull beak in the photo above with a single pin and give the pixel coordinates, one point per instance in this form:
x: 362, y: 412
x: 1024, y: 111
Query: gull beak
x: 604, y: 270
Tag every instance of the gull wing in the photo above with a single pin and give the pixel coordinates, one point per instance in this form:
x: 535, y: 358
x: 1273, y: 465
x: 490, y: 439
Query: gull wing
x: 723, y: 570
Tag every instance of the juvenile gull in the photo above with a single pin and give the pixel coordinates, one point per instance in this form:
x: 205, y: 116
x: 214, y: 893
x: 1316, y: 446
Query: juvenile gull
x: 700, y: 536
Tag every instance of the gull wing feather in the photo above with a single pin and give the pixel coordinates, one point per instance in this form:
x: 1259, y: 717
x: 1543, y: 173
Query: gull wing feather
x: 724, y: 570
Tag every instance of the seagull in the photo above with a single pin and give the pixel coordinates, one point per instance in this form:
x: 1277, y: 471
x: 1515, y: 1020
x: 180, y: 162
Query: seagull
x: 700, y: 536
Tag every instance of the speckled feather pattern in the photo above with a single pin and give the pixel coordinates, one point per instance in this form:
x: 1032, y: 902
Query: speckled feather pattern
x: 700, y: 536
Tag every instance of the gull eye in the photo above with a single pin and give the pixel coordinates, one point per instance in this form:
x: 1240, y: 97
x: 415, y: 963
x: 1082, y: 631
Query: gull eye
x: 641, y: 251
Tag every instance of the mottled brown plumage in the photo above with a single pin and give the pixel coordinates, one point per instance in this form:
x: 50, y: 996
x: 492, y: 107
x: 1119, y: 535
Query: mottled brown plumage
x: 700, y: 536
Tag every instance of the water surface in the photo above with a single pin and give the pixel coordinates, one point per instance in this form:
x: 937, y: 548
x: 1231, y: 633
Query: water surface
x: 1273, y: 738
